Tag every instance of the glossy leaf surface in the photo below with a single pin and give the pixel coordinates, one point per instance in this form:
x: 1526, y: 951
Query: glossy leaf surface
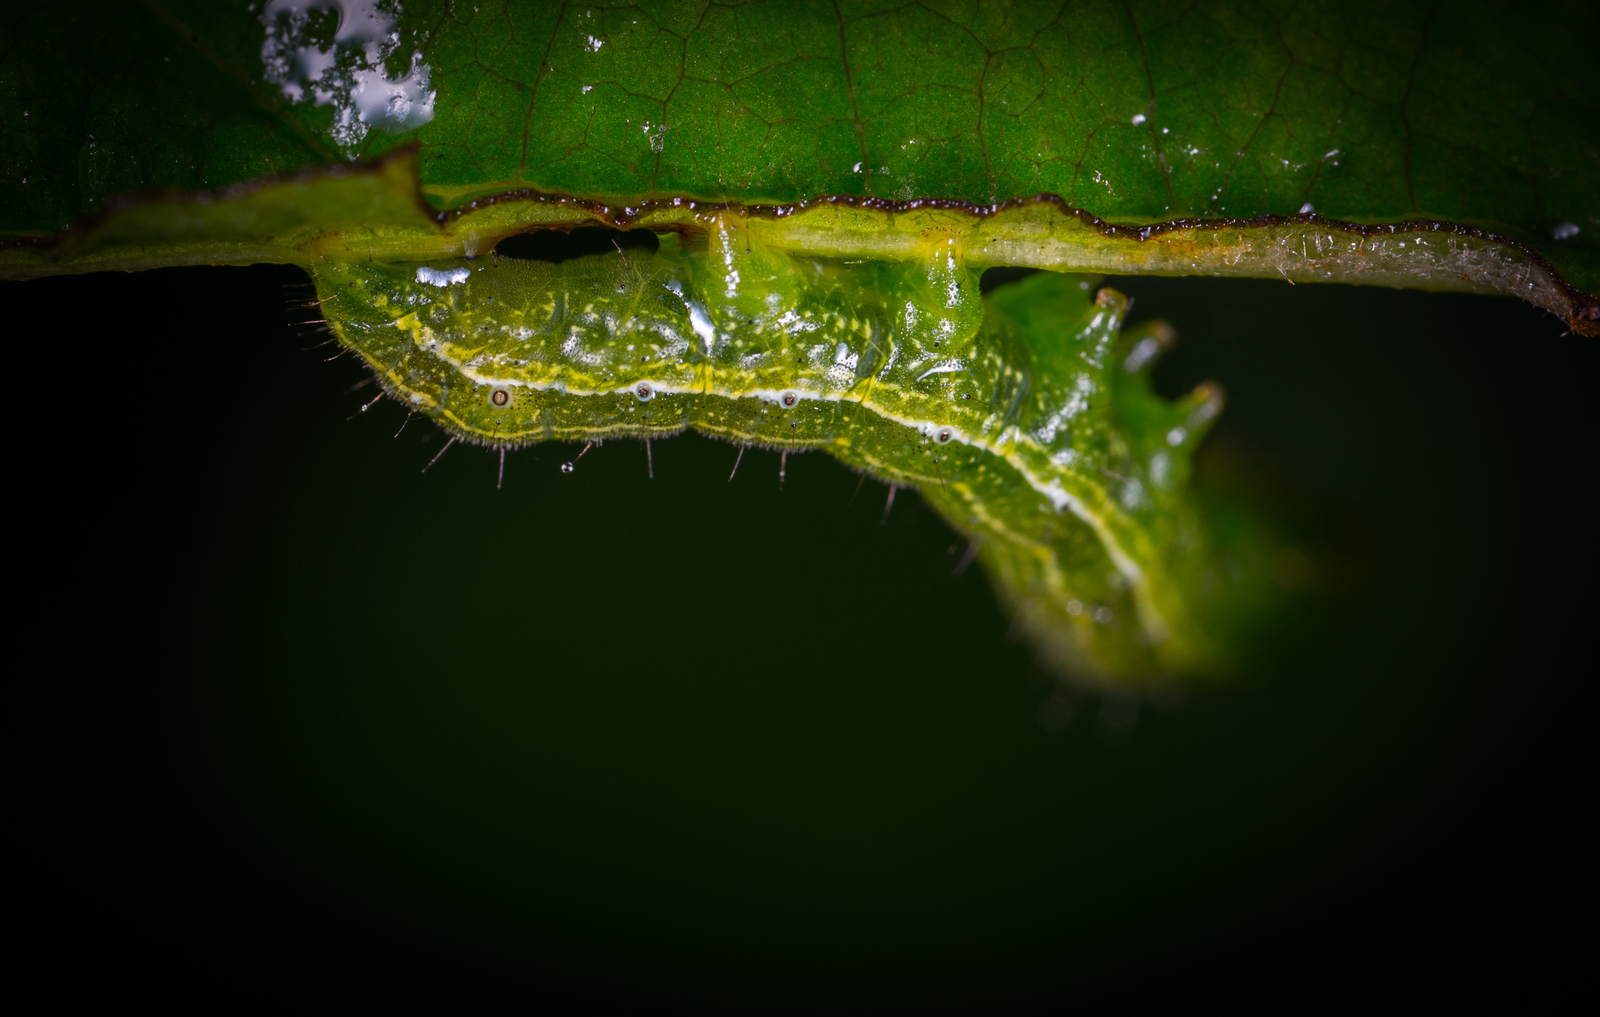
x: 1472, y: 115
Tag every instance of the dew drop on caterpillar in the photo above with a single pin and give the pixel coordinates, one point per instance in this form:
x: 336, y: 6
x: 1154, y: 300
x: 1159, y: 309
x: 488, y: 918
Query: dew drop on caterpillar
x: 1025, y: 417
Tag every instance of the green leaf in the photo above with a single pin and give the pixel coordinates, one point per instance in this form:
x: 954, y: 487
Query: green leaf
x: 1474, y: 121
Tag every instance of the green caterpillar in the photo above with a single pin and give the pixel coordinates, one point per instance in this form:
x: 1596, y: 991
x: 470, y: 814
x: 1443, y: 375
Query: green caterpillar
x: 1025, y: 417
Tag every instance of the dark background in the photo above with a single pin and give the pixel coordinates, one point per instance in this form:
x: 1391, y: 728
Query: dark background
x: 313, y: 724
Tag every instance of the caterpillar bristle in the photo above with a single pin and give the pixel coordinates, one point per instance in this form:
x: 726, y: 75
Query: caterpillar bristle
x: 439, y: 453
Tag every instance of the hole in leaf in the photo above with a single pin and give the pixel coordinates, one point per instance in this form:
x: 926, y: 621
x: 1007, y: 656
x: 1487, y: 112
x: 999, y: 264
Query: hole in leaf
x: 558, y: 245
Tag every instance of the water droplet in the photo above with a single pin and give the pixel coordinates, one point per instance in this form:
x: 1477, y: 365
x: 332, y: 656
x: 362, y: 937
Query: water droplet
x: 567, y: 467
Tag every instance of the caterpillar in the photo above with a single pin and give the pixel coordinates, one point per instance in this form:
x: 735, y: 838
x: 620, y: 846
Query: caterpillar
x: 1025, y: 417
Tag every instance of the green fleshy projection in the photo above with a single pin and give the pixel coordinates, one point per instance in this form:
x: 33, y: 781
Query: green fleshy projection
x: 1025, y: 418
